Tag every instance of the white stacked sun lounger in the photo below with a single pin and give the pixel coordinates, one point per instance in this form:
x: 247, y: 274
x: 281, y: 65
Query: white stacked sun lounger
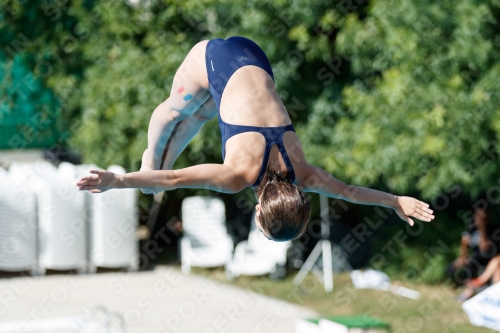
x: 17, y: 222
x: 113, y: 224
x: 61, y: 220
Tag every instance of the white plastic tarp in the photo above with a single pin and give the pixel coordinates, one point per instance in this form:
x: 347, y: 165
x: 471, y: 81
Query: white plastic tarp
x: 373, y: 279
x: 484, y: 308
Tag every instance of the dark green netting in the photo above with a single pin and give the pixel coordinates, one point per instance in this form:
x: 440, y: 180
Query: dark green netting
x: 28, y: 110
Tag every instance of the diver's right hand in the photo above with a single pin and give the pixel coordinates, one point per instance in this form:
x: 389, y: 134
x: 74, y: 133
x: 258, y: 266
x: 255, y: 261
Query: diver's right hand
x: 99, y: 181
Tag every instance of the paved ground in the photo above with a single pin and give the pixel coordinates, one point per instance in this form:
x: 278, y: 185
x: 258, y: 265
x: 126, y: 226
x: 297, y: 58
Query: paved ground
x: 159, y: 301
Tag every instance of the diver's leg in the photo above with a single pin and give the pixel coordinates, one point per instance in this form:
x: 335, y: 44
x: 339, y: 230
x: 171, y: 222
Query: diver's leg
x: 188, y: 93
x: 492, y: 271
x: 186, y: 130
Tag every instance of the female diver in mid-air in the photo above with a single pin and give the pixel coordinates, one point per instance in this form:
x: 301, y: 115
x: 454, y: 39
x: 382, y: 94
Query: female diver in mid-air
x: 233, y: 79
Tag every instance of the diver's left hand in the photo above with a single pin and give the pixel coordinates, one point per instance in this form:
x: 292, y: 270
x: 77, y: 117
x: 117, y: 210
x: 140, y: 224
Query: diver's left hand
x: 408, y: 206
x: 100, y: 181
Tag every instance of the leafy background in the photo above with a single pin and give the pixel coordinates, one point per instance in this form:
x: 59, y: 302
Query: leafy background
x: 399, y: 95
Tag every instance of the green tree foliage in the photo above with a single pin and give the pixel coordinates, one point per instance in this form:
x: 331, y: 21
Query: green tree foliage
x: 134, y: 51
x: 40, y: 68
x: 111, y: 62
x: 422, y: 111
x: 397, y: 93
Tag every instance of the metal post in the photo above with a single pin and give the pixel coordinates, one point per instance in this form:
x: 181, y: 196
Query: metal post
x: 324, y: 248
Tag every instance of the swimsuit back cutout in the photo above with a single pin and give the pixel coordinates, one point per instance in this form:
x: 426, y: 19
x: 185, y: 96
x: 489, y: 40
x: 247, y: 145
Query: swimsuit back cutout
x: 223, y: 58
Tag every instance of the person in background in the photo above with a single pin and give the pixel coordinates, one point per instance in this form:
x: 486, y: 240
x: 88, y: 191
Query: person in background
x: 478, y: 238
x: 491, y: 273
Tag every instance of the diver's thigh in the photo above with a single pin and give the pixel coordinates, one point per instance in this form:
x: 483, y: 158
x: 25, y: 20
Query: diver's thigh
x: 189, y: 87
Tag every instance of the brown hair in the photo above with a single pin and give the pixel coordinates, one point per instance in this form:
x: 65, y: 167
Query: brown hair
x: 284, y: 208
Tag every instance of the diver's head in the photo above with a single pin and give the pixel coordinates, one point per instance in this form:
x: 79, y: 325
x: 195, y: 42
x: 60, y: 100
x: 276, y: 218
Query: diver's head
x: 283, y: 210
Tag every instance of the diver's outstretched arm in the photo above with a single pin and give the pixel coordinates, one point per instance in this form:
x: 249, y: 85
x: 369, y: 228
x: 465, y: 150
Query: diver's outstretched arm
x: 215, y: 177
x: 320, y: 181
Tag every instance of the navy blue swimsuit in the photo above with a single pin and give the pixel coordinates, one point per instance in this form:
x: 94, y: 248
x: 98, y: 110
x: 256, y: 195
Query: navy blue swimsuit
x: 223, y: 58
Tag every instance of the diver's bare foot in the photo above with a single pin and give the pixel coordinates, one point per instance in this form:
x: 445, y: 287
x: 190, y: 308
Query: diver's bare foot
x: 148, y: 162
x: 147, y: 165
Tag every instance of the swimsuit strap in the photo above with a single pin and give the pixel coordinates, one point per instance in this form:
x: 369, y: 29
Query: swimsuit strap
x: 281, y: 148
x: 230, y: 130
x: 272, y: 135
x: 286, y: 158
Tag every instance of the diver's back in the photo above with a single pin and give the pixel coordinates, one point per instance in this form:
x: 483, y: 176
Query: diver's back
x: 241, y: 82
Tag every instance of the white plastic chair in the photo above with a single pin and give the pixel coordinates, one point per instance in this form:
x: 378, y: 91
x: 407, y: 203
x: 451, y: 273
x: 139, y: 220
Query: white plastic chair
x: 113, y: 225
x: 258, y: 256
x: 205, y: 242
x: 17, y: 223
